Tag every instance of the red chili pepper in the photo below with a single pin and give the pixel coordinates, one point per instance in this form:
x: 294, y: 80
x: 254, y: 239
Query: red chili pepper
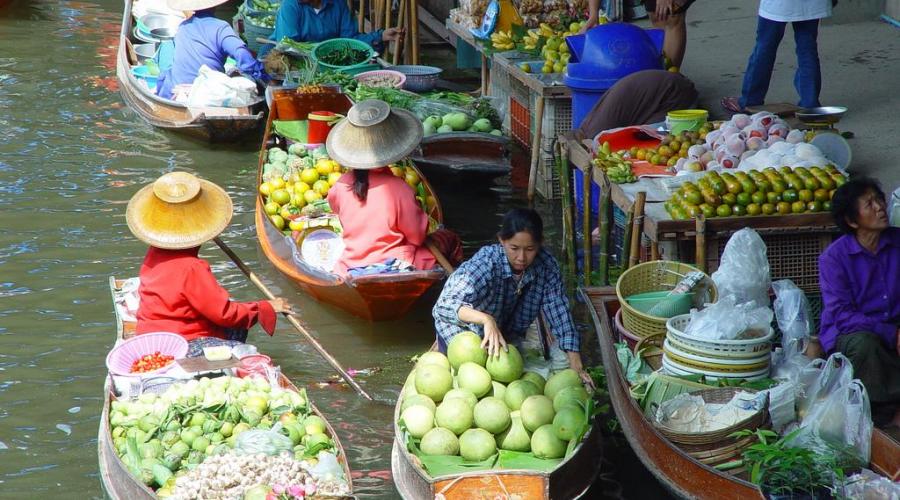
x: 150, y: 362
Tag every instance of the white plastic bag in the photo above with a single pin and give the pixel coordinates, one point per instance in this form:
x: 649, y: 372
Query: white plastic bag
x: 729, y: 320
x: 819, y: 379
x: 744, y: 269
x: 794, y: 320
x: 867, y: 485
x: 213, y: 88
x: 841, y: 421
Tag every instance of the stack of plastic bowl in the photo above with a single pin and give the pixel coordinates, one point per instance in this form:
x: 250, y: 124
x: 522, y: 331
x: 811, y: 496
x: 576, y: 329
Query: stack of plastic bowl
x: 746, y: 359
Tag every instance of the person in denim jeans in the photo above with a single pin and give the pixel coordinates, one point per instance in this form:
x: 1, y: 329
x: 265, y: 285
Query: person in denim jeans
x: 774, y: 15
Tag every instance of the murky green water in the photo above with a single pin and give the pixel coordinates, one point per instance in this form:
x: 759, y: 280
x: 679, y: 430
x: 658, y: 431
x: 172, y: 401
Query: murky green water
x: 71, y: 155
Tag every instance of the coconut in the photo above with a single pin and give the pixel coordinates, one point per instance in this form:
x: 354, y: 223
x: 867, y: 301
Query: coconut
x: 560, y: 380
x: 492, y: 415
x: 536, y: 379
x: 517, y: 392
x: 498, y: 390
x: 454, y: 414
x: 418, y: 420
x: 475, y: 378
x: 570, y: 396
x: 517, y: 437
x: 439, y: 441
x: 464, y: 394
x: 568, y: 422
x: 418, y: 399
x: 545, y: 444
x: 536, y: 411
x: 505, y: 366
x: 433, y: 358
x: 433, y: 381
x: 465, y: 346
x: 477, y: 444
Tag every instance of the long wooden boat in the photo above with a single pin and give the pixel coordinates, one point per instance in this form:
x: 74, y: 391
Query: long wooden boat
x: 468, y: 157
x: 677, y: 471
x: 118, y: 483
x: 212, y: 124
x: 376, y: 297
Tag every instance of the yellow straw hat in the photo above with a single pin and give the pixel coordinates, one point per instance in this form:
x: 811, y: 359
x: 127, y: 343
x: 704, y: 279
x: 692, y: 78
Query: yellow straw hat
x: 373, y: 136
x: 178, y: 211
x: 194, y: 5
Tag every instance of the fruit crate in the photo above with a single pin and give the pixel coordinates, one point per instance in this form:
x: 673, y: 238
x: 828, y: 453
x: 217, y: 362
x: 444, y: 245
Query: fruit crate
x: 557, y: 121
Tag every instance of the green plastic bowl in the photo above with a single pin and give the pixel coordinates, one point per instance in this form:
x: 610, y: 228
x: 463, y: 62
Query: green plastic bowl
x: 661, y: 304
x: 332, y: 45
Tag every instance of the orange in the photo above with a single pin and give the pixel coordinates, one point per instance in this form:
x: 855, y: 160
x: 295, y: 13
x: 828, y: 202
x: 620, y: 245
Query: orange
x: 805, y: 195
x: 723, y: 211
x: 768, y: 208
x: 783, y: 208
x: 739, y: 210
x: 798, y: 207
x: 820, y: 195
x: 790, y: 196
x: 773, y: 197
x: 754, y: 209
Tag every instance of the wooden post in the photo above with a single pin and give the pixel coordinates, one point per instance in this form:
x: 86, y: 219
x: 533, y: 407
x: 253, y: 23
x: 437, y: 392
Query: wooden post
x: 636, y: 232
x: 361, y: 17
x: 654, y: 250
x: 587, y: 243
x: 568, y: 219
x: 414, y: 29
x: 701, y: 242
x: 605, y: 195
x: 485, y: 76
x: 407, y: 35
x: 535, y: 148
x: 387, y: 15
x: 401, y: 18
x: 626, y: 238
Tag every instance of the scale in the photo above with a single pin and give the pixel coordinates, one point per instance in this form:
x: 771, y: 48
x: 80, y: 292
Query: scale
x: 820, y: 122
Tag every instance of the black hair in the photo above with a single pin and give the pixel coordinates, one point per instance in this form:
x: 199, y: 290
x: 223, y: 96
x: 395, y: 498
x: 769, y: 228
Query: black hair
x: 845, y: 202
x: 361, y: 184
x: 522, y: 219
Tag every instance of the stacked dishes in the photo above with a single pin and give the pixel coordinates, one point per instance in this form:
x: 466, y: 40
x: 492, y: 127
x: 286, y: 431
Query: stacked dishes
x: 729, y: 359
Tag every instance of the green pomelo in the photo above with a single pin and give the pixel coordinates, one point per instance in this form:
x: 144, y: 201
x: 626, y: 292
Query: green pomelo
x: 409, y: 388
x: 433, y: 381
x: 536, y: 411
x: 536, y: 379
x: 418, y: 400
x: 498, y: 390
x: 474, y: 377
x: 455, y: 415
x: 568, y: 422
x: 517, y: 392
x: 505, y: 366
x: 570, y: 396
x: 466, y: 346
x: 439, y: 441
x: 433, y: 358
x: 560, y: 380
x: 492, y: 415
x: 517, y: 437
x: 418, y: 420
x: 545, y: 444
x: 464, y: 394
x: 477, y: 444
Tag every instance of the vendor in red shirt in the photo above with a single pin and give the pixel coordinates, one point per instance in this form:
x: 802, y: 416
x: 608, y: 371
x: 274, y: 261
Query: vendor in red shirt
x: 178, y: 292
x: 379, y: 213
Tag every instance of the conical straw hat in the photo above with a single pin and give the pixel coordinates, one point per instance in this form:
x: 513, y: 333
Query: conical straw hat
x: 178, y: 211
x: 193, y: 5
x: 373, y: 135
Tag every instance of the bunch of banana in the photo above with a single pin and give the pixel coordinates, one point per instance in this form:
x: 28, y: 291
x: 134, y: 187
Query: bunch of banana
x: 503, y: 40
x: 546, y: 31
x: 614, y: 165
x: 532, y: 39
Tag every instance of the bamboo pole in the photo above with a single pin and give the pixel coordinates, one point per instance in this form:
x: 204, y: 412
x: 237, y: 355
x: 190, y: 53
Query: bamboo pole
x: 401, y: 18
x: 636, y: 233
x: 586, y: 243
x: 387, y: 15
x: 626, y: 239
x: 700, y: 224
x: 414, y: 28
x: 361, y: 17
x: 535, y: 148
x: 378, y: 15
x: 605, y: 195
x: 407, y: 34
x: 654, y: 250
x: 568, y: 219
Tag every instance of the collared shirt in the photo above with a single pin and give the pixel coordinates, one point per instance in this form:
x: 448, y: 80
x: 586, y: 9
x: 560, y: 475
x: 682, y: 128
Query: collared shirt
x: 389, y: 224
x: 486, y: 283
x: 179, y: 294
x: 204, y: 39
x: 302, y: 23
x: 861, y: 289
x: 788, y: 11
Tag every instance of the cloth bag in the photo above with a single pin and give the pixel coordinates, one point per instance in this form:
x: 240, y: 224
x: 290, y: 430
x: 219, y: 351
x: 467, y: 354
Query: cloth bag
x: 214, y: 88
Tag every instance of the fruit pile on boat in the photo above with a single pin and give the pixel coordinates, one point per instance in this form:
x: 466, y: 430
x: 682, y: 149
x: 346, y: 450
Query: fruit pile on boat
x: 469, y: 408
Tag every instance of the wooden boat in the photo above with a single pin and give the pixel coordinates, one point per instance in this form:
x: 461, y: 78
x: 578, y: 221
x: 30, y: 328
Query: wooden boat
x: 464, y: 156
x: 377, y: 297
x: 212, y: 124
x: 677, y: 471
x: 117, y: 481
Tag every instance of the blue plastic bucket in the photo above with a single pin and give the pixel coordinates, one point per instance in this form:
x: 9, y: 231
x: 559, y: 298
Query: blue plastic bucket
x: 144, y: 73
x: 602, y: 35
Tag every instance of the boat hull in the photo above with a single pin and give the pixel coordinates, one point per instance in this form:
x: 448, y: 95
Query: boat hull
x: 470, y: 157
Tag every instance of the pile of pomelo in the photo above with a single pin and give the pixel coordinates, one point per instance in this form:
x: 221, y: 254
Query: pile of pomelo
x: 470, y: 404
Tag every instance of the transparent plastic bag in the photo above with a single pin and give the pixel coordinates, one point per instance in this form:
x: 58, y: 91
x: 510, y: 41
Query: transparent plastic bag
x: 841, y: 421
x: 868, y: 485
x: 729, y: 320
x: 819, y: 379
x: 269, y: 442
x: 793, y: 315
x: 423, y: 108
x: 744, y: 269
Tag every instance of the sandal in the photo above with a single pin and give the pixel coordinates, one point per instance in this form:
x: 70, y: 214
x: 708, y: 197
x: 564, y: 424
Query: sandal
x: 732, y: 104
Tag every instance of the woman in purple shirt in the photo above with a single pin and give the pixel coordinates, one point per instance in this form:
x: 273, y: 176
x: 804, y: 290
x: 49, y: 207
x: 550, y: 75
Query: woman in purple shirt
x: 860, y: 279
x: 204, y: 39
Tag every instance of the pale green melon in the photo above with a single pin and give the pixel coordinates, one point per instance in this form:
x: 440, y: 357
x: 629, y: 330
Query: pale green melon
x: 517, y: 392
x: 466, y: 346
x: 498, y: 390
x: 418, y: 399
x: 439, y: 441
x: 536, y: 411
x: 575, y: 395
x: 475, y: 378
x: 492, y: 415
x: 477, y: 444
x: 517, y: 437
x: 505, y: 366
x: 418, y: 419
x: 568, y: 422
x: 560, y: 380
x: 463, y: 394
x: 545, y: 444
x: 433, y: 381
x: 455, y: 415
x: 433, y: 358
x: 536, y: 379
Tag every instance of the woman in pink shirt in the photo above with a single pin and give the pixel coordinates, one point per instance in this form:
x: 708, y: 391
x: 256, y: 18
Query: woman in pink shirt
x: 380, y: 216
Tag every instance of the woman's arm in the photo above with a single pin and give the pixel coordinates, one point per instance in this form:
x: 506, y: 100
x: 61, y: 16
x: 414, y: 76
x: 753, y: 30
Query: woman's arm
x: 465, y: 289
x: 237, y: 49
x: 493, y: 339
x: 411, y: 219
x: 348, y: 29
x: 555, y: 308
x: 207, y: 296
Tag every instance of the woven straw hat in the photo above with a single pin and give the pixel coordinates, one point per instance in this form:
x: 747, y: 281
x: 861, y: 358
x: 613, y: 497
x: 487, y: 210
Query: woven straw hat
x: 373, y: 136
x: 178, y: 211
x: 194, y: 5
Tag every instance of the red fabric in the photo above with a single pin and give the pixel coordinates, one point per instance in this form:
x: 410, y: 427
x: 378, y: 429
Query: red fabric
x: 449, y: 244
x: 390, y: 223
x: 179, y: 294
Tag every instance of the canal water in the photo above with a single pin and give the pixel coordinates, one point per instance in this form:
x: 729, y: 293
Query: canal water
x: 71, y: 155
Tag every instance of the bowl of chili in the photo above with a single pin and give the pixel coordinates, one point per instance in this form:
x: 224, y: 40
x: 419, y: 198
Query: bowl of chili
x: 146, y: 354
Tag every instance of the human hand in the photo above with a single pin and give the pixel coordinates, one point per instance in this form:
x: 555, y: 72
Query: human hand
x: 590, y: 23
x: 575, y: 364
x: 664, y: 8
x: 392, y: 34
x: 493, y: 340
x: 281, y: 305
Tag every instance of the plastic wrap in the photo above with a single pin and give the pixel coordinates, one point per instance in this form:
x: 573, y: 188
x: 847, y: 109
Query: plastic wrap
x: 266, y: 441
x: 729, y: 320
x: 840, y: 421
x: 819, y: 379
x: 795, y: 322
x: 744, y: 269
x: 867, y: 485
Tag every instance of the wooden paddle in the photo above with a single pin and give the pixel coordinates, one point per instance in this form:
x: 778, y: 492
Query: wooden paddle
x: 442, y: 260
x: 291, y: 319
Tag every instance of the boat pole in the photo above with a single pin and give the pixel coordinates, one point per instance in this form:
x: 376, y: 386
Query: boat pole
x: 442, y: 260
x: 291, y: 319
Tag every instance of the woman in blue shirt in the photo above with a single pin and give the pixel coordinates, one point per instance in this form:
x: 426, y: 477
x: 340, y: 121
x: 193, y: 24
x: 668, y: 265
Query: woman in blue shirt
x: 319, y: 20
x: 504, y: 287
x: 204, y: 39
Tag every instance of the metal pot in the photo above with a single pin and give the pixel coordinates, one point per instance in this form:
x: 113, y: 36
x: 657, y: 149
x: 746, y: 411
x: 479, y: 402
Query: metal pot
x: 150, y: 22
x: 144, y: 51
x: 163, y: 34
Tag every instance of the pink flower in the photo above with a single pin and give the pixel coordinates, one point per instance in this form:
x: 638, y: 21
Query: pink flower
x: 278, y: 489
x: 271, y: 496
x: 297, y: 491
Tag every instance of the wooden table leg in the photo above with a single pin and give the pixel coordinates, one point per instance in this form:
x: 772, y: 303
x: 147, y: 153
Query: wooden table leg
x: 535, y: 148
x: 636, y: 232
x: 605, y: 195
x: 587, y: 243
x: 700, y: 251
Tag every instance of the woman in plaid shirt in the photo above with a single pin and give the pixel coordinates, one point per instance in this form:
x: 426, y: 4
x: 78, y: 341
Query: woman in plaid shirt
x: 504, y: 287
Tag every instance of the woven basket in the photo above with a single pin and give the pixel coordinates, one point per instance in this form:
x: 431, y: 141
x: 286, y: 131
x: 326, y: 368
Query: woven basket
x: 419, y: 78
x: 654, y: 276
x: 652, y: 345
x: 724, y: 349
x: 717, y: 396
